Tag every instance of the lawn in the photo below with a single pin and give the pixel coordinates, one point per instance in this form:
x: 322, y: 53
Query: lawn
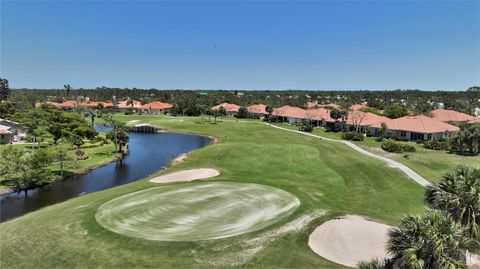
x: 97, y: 156
x: 431, y: 164
x: 328, y: 178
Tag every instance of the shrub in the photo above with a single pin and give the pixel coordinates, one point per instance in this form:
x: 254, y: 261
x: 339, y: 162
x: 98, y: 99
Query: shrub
x: 306, y: 128
x: 442, y: 144
x: 395, y: 147
x: 354, y: 136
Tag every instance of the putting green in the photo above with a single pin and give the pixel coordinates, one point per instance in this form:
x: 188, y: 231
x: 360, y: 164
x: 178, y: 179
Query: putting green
x: 196, y: 211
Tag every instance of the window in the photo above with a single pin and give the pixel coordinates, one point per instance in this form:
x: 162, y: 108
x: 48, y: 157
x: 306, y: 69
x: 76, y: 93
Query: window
x: 403, y: 133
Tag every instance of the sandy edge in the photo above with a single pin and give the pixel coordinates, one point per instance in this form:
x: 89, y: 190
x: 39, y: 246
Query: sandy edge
x: 350, y: 239
x: 186, y: 175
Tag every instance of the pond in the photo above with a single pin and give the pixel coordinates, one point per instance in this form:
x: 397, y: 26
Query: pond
x: 148, y: 153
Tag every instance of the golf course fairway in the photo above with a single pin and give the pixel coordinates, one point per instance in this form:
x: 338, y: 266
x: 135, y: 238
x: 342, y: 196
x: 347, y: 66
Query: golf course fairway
x: 190, y: 212
x: 328, y: 178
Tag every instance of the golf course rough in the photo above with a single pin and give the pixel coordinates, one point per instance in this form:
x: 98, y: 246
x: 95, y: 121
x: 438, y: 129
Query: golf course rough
x: 196, y: 211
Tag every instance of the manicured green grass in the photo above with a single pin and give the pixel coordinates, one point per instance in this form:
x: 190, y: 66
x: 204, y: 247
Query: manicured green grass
x: 193, y: 212
x: 97, y: 156
x: 328, y: 178
x: 431, y: 164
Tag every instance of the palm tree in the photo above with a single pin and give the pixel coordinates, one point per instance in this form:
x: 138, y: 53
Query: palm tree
x: 458, y: 195
x: 130, y: 103
x: 430, y: 240
x: 373, y: 264
x: 269, y: 110
x: 222, y: 111
x: 67, y: 88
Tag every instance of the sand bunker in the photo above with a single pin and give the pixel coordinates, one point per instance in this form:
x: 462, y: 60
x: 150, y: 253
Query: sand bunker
x: 350, y: 240
x: 200, y: 211
x: 186, y: 175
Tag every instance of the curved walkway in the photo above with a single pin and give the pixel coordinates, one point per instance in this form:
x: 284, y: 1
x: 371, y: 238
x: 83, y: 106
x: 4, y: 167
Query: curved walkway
x: 394, y: 164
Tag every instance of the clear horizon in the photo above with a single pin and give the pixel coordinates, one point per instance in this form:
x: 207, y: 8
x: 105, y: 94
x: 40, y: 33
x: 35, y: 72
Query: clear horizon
x: 318, y: 46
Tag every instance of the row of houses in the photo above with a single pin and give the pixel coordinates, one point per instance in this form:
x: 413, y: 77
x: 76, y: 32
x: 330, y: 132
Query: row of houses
x: 151, y: 108
x: 442, y: 122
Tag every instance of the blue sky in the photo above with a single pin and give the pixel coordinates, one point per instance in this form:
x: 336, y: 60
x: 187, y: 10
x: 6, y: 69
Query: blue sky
x: 320, y: 45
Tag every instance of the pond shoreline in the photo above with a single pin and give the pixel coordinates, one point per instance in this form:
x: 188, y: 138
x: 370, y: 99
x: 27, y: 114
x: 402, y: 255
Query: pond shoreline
x: 148, y: 154
x: 10, y: 190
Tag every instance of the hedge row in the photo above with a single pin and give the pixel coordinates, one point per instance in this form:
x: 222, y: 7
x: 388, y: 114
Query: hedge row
x: 354, y: 136
x: 395, y: 147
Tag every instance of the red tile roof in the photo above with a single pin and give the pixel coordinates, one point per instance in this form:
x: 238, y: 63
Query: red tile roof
x: 157, y: 105
x: 421, y: 124
x: 331, y: 105
x: 358, y: 106
x: 123, y: 104
x: 257, y: 109
x: 447, y: 115
x: 290, y: 112
x: 228, y: 107
x: 312, y: 104
x: 367, y: 119
x: 39, y: 104
x: 319, y: 114
x: 96, y: 104
x: 68, y: 103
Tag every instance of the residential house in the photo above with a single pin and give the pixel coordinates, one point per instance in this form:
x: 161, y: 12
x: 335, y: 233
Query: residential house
x: 129, y: 104
x: 258, y: 110
x: 290, y: 114
x: 451, y: 116
x: 421, y: 127
x: 6, y: 136
x: 11, y: 131
x: 231, y: 109
x: 93, y: 104
x: 156, y: 108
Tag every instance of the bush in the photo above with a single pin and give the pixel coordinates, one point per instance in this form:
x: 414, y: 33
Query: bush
x: 395, y: 147
x: 306, y: 128
x: 354, y: 136
x: 401, y: 138
x: 441, y: 144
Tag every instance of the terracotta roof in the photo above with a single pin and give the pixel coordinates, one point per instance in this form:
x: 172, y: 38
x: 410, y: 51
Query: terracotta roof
x: 312, y: 104
x: 421, y: 124
x: 68, y: 103
x: 367, y: 119
x: 330, y: 105
x: 157, y: 105
x: 447, y: 115
x: 123, y: 104
x: 39, y: 104
x: 319, y: 114
x: 475, y: 121
x: 228, y: 107
x: 290, y: 112
x: 95, y: 104
x: 258, y: 109
x: 358, y: 106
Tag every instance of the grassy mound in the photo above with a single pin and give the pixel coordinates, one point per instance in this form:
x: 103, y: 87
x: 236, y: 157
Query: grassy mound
x: 190, y: 212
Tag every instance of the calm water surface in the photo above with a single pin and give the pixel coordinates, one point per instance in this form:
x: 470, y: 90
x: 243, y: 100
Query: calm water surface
x: 148, y: 153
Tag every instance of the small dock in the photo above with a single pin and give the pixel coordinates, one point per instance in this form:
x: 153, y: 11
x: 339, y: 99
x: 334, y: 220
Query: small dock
x: 143, y: 128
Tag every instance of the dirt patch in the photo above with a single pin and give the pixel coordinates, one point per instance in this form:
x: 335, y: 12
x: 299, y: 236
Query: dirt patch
x: 350, y: 240
x: 179, y: 159
x: 186, y: 175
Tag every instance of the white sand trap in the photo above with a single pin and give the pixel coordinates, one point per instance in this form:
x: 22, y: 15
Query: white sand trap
x: 186, y: 175
x: 350, y: 240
